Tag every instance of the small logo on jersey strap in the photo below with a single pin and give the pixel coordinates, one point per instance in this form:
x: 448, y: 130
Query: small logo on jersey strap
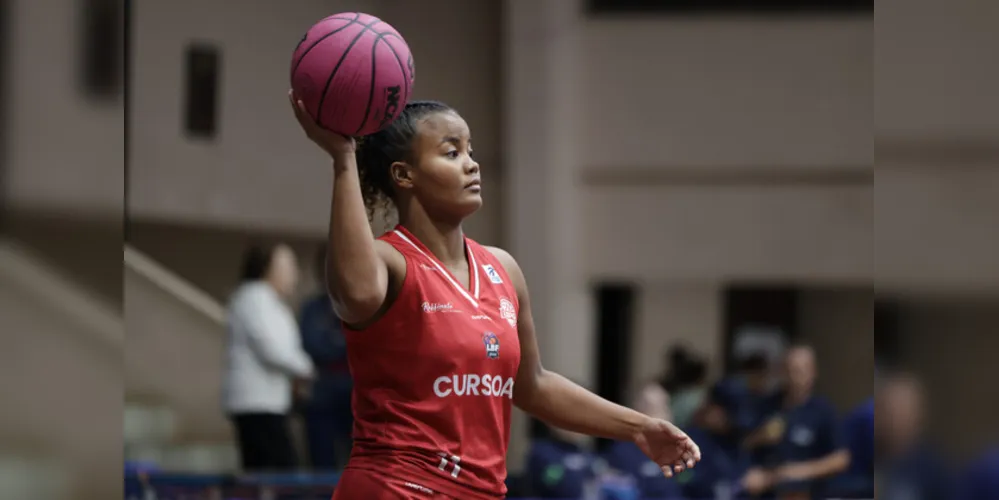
x: 493, y: 275
x: 492, y: 344
x: 507, y: 311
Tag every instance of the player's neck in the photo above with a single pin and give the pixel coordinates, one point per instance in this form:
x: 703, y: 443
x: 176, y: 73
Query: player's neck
x: 445, y: 241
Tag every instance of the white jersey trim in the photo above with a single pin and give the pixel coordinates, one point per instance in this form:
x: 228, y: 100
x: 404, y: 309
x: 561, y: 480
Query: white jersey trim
x: 447, y: 274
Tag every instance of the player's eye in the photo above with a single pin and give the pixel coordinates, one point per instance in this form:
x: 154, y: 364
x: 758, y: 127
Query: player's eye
x: 452, y: 154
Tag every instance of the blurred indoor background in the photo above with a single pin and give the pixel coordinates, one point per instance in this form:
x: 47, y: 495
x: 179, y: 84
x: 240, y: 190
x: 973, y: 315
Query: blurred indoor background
x: 694, y: 175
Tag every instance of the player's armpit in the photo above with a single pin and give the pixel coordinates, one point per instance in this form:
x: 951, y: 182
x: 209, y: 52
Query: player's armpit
x: 531, y: 371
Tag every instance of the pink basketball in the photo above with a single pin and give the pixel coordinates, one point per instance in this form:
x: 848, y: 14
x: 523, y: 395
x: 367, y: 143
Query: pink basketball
x: 354, y: 73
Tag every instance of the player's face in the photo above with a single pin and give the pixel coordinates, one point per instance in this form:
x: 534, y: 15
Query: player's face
x: 446, y: 177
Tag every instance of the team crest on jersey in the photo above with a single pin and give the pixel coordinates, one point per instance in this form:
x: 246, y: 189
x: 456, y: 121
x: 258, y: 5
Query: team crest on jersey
x: 508, y: 312
x: 494, y: 276
x: 492, y: 344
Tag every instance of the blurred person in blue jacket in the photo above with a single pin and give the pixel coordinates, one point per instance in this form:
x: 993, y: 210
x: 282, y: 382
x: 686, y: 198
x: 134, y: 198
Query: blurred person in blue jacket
x: 737, y: 406
x: 561, y: 465
x: 628, y: 459
x: 908, y: 468
x: 327, y: 409
x: 808, y: 444
x: 858, y: 429
x: 981, y: 479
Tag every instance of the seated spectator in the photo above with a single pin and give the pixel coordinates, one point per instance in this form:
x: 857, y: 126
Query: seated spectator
x: 327, y: 411
x: 909, y: 467
x: 263, y: 356
x: 685, y: 383
x: 628, y: 459
x: 737, y: 406
x: 808, y: 446
x: 560, y: 465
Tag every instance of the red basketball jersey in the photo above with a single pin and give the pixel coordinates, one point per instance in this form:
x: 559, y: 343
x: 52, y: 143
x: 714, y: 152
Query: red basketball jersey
x: 433, y: 378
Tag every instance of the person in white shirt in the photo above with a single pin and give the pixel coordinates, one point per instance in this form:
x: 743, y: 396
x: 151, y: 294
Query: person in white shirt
x: 264, y: 357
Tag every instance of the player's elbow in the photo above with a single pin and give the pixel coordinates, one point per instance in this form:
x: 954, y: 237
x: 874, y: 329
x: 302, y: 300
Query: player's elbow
x: 358, y: 306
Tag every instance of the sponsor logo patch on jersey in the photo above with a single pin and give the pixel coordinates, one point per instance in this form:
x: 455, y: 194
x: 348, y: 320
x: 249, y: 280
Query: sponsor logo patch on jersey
x: 434, y: 307
x: 508, y: 312
x: 492, y: 344
x: 494, y: 276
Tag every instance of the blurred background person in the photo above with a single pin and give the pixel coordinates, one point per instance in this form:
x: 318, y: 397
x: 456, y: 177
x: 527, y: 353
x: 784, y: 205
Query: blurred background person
x: 625, y: 457
x: 737, y: 406
x: 909, y: 467
x: 327, y: 409
x: 809, y: 447
x: 685, y: 381
x: 264, y: 356
x: 858, y: 430
x: 981, y: 479
x: 560, y: 464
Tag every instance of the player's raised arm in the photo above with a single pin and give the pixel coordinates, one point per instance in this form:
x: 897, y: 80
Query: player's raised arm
x: 357, y: 275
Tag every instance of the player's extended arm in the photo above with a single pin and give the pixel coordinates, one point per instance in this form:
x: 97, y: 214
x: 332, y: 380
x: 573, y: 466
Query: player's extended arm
x: 357, y: 275
x: 553, y: 398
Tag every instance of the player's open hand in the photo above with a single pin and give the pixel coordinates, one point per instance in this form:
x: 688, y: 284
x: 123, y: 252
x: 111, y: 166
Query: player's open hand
x: 668, y: 446
x: 333, y: 143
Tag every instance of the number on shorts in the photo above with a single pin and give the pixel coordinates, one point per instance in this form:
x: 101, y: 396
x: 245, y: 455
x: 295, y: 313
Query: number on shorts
x: 453, y: 462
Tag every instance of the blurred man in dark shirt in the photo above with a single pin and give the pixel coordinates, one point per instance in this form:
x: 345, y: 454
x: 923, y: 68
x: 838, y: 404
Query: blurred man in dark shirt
x: 908, y: 467
x: 560, y: 465
x: 628, y: 459
x: 737, y: 406
x: 981, y: 480
x: 808, y: 447
x: 328, y: 418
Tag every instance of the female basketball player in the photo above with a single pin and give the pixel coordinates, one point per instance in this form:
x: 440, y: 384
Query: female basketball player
x: 439, y: 331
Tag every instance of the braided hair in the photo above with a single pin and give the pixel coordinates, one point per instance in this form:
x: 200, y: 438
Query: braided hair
x: 378, y: 151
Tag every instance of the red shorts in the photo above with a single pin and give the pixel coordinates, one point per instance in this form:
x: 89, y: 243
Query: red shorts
x: 356, y: 484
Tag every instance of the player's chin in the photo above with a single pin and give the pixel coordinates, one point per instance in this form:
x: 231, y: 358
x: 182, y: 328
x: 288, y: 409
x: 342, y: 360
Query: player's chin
x: 470, y: 201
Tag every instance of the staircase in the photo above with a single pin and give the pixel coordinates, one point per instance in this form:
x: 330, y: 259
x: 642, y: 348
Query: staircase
x: 173, y: 358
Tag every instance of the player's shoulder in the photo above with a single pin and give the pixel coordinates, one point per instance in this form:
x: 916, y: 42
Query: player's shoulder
x: 389, y: 253
x: 509, y: 263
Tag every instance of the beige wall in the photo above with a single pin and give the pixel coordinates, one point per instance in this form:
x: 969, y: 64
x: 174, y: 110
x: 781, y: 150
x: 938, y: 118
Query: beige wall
x: 839, y: 323
x: 261, y: 172
x: 64, y: 150
x: 736, y: 93
x: 685, y: 313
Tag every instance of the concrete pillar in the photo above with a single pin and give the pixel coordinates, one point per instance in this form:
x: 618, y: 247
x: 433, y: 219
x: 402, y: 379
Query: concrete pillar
x: 542, y: 96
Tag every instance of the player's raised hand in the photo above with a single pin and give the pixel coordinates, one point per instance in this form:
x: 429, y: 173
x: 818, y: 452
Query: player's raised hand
x: 333, y: 143
x: 668, y: 446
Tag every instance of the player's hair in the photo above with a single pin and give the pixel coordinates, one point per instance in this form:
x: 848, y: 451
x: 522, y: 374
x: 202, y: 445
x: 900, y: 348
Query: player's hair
x: 377, y: 152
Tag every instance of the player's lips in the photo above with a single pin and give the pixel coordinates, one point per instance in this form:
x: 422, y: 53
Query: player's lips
x: 475, y: 185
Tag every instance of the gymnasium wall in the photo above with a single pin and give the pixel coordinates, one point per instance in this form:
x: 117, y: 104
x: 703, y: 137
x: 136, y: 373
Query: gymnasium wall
x: 259, y: 171
x: 63, y: 151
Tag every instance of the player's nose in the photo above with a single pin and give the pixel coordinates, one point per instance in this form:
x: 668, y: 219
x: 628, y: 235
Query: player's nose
x: 471, y: 167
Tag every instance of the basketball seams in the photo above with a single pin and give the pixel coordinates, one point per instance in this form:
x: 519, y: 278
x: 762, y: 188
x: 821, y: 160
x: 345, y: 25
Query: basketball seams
x: 322, y: 98
x: 402, y: 65
x: 317, y: 42
x: 374, y: 73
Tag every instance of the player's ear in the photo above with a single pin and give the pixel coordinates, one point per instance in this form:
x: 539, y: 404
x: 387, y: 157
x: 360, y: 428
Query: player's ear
x: 402, y: 174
